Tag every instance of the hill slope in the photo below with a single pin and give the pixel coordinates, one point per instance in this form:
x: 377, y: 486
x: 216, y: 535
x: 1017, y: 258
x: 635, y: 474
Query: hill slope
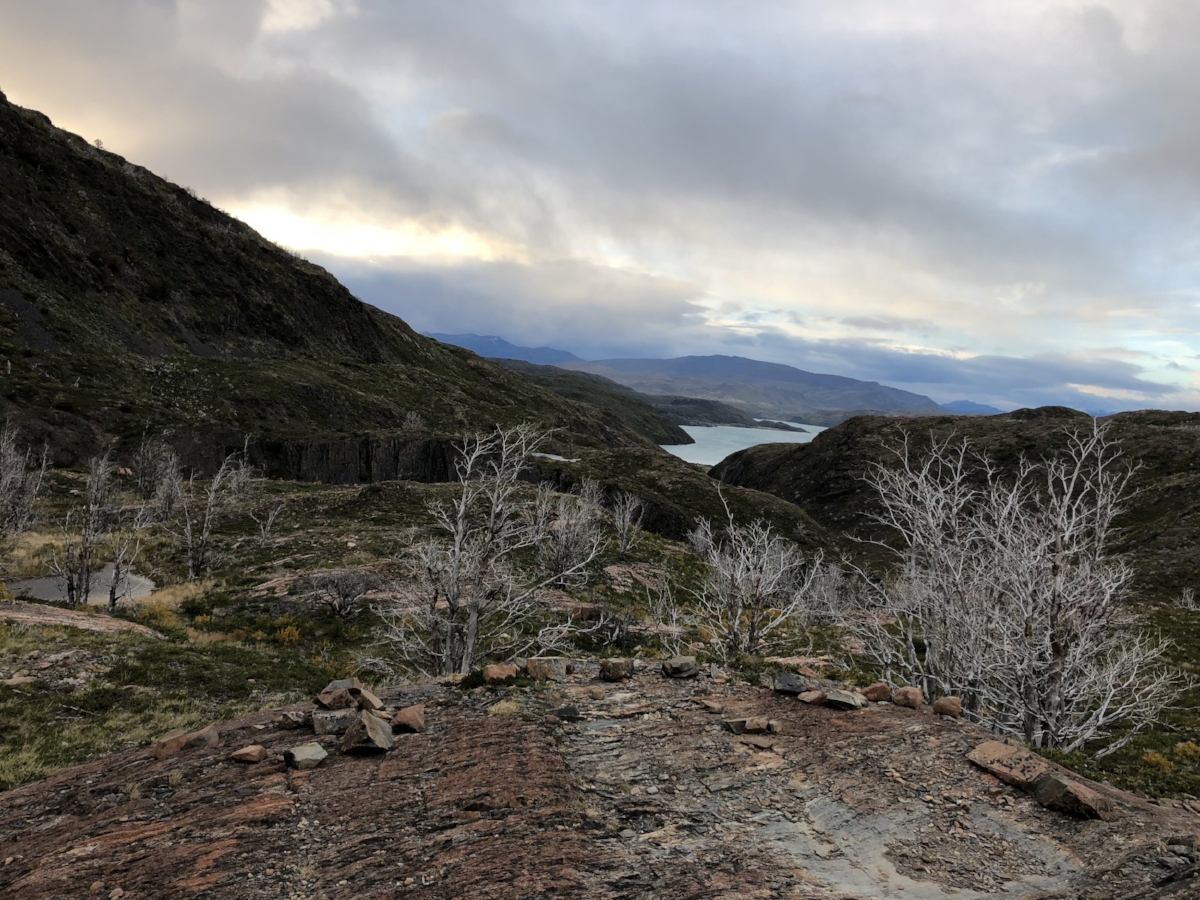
x: 129, y: 305
x: 1160, y: 530
x: 764, y: 390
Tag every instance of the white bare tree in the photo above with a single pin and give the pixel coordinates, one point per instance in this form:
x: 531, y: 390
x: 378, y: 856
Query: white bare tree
x: 21, y: 477
x: 628, y: 512
x: 202, y: 507
x: 84, y: 531
x: 474, y: 597
x: 342, y: 592
x: 1006, y: 593
x: 757, y: 583
x: 570, y: 538
x: 125, y: 543
x: 266, y: 519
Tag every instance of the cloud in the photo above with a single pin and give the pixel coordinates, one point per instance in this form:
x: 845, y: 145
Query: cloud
x: 979, y: 198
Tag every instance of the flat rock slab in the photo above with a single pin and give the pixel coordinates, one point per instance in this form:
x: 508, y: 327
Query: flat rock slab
x: 1057, y: 792
x: 305, y: 756
x: 54, y: 617
x: 845, y: 700
x: 1010, y: 763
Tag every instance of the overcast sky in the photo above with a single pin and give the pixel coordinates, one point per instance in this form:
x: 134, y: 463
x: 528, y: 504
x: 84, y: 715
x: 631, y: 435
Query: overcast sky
x: 998, y: 201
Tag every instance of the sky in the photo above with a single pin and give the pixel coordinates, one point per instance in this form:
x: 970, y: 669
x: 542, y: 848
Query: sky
x: 989, y: 200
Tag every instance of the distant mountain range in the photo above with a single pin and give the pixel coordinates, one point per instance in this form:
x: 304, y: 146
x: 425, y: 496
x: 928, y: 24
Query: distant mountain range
x: 762, y: 389
x: 492, y: 347
x: 971, y: 408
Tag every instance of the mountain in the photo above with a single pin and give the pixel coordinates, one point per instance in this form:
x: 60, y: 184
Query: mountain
x: 1160, y: 529
x: 762, y: 389
x: 970, y: 408
x: 624, y: 404
x: 493, y: 347
x: 129, y: 305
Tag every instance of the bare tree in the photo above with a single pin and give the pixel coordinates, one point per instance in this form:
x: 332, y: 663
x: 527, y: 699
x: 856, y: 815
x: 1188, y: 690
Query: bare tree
x: 84, y: 531
x: 126, y: 545
x: 628, y: 512
x: 571, y: 537
x: 757, y: 583
x: 1007, y: 594
x: 203, y: 507
x: 341, y: 592
x: 21, y: 477
x: 473, y: 596
x: 266, y: 520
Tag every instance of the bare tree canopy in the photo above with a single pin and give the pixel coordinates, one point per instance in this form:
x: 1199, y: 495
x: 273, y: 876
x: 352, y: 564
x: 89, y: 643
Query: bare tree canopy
x: 1007, y: 594
x: 475, y: 594
x: 21, y: 477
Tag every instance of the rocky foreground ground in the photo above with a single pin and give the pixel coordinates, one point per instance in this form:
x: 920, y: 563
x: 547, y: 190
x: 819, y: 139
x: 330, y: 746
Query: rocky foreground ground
x: 579, y: 787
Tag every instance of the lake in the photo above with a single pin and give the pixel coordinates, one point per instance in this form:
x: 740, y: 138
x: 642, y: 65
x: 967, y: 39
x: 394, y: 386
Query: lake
x: 715, y: 442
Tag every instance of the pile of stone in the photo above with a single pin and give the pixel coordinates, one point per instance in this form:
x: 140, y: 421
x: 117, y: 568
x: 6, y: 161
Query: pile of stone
x: 345, y: 708
x: 808, y: 688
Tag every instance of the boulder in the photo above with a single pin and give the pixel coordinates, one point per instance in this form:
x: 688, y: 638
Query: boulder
x: 305, y: 756
x: 1011, y: 764
x: 910, y: 697
x: 879, y: 692
x: 255, y: 753
x: 813, y: 698
x: 568, y: 713
x: 616, y: 669
x: 787, y: 683
x: 293, y: 718
x: 366, y: 700
x: 333, y: 721
x: 680, y: 667
x: 845, y: 700
x: 948, y: 706
x: 410, y: 720
x: 367, y: 732
x: 1054, y: 791
x: 174, y: 741
x: 547, y: 668
x: 496, y: 673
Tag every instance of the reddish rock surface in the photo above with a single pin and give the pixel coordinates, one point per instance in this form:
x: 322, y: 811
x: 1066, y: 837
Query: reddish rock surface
x: 646, y: 795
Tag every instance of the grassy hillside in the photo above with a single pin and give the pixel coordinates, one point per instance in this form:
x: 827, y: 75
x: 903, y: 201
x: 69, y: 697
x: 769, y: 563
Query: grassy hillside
x: 128, y: 304
x: 1160, y: 530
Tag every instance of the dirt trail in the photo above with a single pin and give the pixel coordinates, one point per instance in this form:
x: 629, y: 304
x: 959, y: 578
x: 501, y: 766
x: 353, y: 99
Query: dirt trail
x: 644, y: 795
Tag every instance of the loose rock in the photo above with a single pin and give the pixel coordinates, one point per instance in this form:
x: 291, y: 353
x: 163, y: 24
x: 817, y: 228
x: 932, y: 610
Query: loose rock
x: 787, y: 683
x: 813, y: 698
x: 293, y: 718
x: 255, y: 753
x: 752, y: 725
x: 547, y: 668
x: 339, y: 699
x: 495, y: 673
x: 879, y: 692
x: 174, y: 741
x: 681, y: 667
x: 410, y: 720
x: 845, y: 700
x: 616, y: 669
x: 910, y: 697
x: 1054, y: 791
x: 1011, y: 764
x: 367, y: 700
x: 333, y: 721
x: 948, y: 706
x: 367, y: 732
x: 305, y: 756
